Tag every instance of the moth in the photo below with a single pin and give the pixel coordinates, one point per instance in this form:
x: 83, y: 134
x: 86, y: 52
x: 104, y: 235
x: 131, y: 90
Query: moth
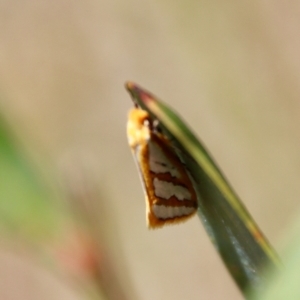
x: 170, y: 196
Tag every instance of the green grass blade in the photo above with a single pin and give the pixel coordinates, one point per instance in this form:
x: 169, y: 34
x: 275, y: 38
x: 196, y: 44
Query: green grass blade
x: 241, y: 244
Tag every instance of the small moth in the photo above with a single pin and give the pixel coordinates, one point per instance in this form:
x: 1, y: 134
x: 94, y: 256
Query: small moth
x: 170, y: 196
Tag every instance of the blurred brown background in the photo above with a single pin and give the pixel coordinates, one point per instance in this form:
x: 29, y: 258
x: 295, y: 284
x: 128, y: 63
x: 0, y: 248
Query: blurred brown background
x: 231, y: 69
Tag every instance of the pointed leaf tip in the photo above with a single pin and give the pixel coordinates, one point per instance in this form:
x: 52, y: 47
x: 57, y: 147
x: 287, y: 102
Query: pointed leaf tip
x: 129, y: 85
x: 138, y: 93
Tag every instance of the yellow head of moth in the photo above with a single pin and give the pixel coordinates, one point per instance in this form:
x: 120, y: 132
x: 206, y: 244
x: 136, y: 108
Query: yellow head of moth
x: 170, y: 196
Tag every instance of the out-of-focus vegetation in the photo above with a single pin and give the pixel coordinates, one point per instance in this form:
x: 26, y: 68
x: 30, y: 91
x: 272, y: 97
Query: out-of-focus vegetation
x: 29, y: 207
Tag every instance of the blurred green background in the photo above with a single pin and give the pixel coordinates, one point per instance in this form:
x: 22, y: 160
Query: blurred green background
x: 231, y: 69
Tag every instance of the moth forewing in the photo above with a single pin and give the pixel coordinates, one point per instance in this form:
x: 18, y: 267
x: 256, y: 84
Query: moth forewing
x: 170, y: 196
